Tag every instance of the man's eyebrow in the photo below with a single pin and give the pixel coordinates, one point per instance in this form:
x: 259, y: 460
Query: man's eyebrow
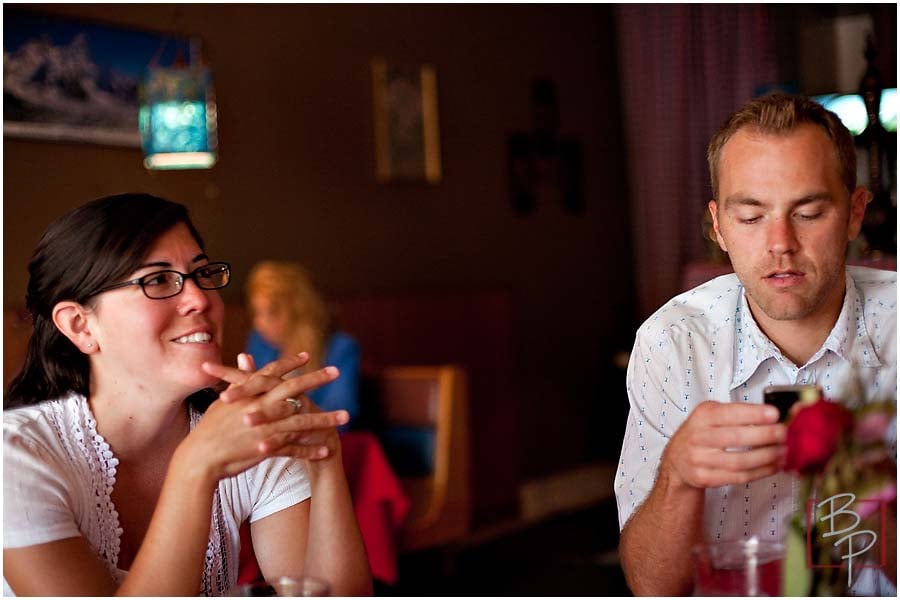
x: 167, y: 265
x: 751, y: 201
x: 819, y: 197
x: 741, y: 201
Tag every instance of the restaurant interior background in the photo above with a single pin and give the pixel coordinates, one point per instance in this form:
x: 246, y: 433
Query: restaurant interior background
x: 572, y: 275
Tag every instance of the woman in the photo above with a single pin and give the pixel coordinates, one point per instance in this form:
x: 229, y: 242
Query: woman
x: 288, y: 316
x: 113, y: 483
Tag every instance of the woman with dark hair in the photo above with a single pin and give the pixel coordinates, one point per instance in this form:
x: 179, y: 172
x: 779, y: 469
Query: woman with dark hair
x: 114, y: 482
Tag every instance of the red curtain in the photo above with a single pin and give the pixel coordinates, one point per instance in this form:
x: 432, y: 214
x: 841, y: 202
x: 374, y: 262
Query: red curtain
x: 683, y: 69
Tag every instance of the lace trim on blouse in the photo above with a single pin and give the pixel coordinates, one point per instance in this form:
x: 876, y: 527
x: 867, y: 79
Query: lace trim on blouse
x: 77, y: 430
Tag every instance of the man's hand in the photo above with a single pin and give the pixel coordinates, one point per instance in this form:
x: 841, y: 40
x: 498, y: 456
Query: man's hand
x: 721, y: 444
x: 718, y: 444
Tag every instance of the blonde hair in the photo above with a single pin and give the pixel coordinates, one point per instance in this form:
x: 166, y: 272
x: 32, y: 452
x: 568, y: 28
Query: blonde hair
x: 288, y: 285
x: 781, y: 114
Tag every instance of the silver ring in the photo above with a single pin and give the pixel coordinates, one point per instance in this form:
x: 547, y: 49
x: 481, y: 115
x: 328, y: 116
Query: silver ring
x: 295, y: 404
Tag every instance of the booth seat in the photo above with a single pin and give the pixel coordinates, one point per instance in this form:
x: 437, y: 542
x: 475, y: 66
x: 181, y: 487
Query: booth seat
x: 423, y: 358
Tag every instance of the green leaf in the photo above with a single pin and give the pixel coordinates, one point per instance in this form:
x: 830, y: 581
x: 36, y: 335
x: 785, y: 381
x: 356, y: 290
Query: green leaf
x: 796, y: 577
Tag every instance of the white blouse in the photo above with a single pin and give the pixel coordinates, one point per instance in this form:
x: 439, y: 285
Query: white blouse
x: 59, y: 474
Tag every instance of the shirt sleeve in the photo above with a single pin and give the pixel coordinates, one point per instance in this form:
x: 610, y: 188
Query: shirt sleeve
x: 262, y: 351
x: 653, y: 417
x: 277, y: 483
x: 36, y: 500
x: 343, y: 393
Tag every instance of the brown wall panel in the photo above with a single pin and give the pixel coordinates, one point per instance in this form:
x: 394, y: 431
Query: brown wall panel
x: 296, y: 180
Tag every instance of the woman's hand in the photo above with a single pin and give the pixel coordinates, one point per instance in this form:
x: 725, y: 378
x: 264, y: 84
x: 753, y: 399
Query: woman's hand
x: 331, y: 527
x: 280, y: 367
x: 303, y: 432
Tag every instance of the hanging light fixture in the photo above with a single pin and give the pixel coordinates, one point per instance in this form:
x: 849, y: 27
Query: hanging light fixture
x: 177, y: 117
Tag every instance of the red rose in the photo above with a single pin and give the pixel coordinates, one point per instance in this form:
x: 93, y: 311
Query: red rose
x: 813, y: 434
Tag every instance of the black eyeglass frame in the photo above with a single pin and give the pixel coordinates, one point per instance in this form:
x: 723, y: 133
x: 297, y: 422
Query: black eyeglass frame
x: 193, y: 275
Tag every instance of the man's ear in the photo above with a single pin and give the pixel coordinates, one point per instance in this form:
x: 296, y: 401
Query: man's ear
x: 71, y: 318
x: 859, y: 199
x: 714, y: 213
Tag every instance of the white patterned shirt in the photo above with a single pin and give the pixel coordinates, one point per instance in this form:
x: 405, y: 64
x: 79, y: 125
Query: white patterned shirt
x: 705, y: 345
x: 58, y: 477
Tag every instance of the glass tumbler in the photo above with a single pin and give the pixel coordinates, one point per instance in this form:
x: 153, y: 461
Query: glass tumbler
x: 749, y: 567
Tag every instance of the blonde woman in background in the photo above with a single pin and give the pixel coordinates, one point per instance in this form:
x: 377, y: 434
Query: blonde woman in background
x: 289, y: 316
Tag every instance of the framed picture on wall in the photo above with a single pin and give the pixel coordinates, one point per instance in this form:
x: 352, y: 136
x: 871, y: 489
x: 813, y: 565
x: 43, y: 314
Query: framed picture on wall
x: 407, y: 139
x: 65, y: 79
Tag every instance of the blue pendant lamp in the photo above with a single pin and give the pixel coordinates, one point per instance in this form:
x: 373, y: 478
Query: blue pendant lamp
x: 177, y: 117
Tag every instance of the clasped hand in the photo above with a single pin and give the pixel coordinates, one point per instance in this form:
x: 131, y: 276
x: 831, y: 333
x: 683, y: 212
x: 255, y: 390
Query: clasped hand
x: 252, y: 420
x: 722, y: 444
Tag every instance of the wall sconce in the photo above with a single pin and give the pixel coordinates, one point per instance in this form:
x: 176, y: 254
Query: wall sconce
x: 177, y: 117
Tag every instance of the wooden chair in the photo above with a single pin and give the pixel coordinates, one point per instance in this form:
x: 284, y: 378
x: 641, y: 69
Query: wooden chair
x: 430, y: 399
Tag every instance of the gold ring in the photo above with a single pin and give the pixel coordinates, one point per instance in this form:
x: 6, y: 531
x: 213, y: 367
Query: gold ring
x: 295, y: 404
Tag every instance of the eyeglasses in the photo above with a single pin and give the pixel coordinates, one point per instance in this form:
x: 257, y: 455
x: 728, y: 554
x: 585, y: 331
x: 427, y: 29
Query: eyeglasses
x: 165, y: 284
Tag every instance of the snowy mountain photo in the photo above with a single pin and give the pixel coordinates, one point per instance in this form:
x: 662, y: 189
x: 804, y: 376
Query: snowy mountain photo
x: 70, y: 80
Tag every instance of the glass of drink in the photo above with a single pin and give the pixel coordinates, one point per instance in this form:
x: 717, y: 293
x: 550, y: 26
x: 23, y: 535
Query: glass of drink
x: 748, y: 567
x: 283, y: 586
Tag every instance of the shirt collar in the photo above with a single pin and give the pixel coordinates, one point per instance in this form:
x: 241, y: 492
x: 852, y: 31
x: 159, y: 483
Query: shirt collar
x: 849, y: 338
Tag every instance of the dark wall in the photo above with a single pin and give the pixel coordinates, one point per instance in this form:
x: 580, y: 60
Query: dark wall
x: 296, y: 180
x: 808, y: 51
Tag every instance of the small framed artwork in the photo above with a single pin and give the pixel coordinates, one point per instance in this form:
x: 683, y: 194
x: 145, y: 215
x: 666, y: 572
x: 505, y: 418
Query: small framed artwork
x: 65, y: 79
x: 407, y: 137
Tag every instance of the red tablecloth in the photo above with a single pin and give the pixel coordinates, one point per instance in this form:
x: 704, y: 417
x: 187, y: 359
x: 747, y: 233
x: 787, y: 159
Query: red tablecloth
x: 378, y: 501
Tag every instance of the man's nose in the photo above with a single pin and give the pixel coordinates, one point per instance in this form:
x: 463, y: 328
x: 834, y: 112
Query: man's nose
x: 782, y: 236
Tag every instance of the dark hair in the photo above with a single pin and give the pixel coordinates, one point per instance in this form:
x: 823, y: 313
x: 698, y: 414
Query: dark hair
x: 782, y: 114
x: 95, y: 245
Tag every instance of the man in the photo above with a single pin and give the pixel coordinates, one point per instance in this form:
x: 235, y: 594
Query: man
x: 702, y: 455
